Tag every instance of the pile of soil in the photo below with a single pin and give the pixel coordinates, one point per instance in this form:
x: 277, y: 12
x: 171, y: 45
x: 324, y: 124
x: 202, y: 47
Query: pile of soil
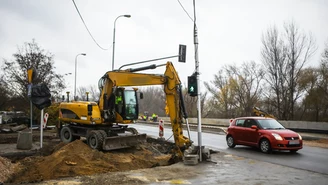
x: 7, y: 169
x: 77, y: 158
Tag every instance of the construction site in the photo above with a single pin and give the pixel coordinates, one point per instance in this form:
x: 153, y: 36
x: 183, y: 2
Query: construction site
x: 59, y: 160
x: 76, y: 163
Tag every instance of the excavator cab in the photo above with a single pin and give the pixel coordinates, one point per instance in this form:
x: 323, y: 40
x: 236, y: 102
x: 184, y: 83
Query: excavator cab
x: 126, y: 103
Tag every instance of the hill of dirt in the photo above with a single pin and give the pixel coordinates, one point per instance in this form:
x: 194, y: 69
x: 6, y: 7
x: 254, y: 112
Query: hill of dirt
x: 77, y: 158
x: 7, y: 169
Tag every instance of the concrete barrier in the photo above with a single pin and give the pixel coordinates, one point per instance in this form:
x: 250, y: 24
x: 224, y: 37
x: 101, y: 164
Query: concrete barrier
x: 298, y: 125
x: 24, y: 140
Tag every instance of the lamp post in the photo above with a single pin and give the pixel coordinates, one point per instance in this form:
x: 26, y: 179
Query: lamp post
x: 64, y: 82
x: 75, y: 74
x: 128, y: 16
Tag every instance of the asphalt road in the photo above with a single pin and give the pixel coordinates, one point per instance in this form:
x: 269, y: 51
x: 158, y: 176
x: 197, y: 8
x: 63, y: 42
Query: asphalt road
x: 309, y: 158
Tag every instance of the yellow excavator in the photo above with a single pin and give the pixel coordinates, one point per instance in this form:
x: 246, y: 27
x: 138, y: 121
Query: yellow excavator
x: 258, y: 112
x: 104, y: 123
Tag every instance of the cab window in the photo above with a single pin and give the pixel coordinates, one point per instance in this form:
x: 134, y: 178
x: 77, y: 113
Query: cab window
x: 130, y: 105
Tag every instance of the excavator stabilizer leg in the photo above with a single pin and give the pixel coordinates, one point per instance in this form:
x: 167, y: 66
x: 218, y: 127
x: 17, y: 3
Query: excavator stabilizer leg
x: 119, y: 142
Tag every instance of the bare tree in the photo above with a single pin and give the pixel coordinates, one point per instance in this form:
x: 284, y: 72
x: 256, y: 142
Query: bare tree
x: 323, y: 82
x: 246, y: 84
x: 274, y: 60
x: 4, y: 94
x: 82, y: 93
x: 237, y: 88
x: 153, y: 101
x: 323, y: 70
x: 31, y: 55
x: 94, y: 93
x: 300, y: 48
x: 222, y: 101
x: 312, y: 100
x: 284, y: 56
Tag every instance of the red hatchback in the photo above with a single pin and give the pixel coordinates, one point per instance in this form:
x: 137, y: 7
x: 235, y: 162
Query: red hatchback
x: 265, y: 133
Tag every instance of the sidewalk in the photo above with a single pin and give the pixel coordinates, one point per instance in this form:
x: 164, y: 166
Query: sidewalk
x: 313, y: 136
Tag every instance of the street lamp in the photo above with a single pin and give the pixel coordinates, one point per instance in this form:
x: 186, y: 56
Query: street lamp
x: 64, y: 82
x: 128, y: 16
x: 75, y: 74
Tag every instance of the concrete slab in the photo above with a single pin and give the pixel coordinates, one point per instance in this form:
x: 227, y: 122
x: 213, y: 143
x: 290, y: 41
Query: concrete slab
x: 10, y: 150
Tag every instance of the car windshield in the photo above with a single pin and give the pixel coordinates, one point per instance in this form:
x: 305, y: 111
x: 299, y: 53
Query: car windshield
x: 270, y: 124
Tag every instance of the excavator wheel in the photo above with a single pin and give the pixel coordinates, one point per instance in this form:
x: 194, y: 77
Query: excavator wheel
x: 95, y: 139
x: 132, y: 130
x: 66, y: 135
x: 103, y: 133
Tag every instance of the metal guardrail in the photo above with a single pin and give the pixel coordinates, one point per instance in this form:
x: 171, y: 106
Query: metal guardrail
x: 219, y: 126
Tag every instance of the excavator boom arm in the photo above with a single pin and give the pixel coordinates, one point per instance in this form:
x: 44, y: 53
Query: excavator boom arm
x: 172, y: 84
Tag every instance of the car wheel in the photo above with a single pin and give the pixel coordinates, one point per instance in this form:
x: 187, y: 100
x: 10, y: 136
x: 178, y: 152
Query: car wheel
x: 230, y: 142
x: 293, y: 151
x: 66, y: 135
x: 265, y: 146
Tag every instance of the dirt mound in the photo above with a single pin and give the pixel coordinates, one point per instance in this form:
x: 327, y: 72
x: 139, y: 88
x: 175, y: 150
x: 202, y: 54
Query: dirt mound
x: 7, y: 169
x: 77, y: 158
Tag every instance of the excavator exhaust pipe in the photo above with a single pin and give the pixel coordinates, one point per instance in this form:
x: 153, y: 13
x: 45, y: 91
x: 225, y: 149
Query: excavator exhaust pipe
x: 120, y: 142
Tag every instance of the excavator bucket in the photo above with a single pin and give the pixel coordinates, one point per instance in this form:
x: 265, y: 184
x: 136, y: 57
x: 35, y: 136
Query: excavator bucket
x: 119, y: 142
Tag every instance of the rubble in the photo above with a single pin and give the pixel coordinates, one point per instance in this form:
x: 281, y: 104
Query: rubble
x: 12, y: 127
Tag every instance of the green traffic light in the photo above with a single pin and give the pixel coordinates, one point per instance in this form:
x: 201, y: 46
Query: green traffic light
x: 192, y: 85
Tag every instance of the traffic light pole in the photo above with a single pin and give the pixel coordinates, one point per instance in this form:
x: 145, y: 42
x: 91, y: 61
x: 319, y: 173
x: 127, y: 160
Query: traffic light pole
x: 199, y: 121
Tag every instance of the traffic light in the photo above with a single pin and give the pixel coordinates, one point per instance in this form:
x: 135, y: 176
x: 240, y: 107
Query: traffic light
x: 192, y: 85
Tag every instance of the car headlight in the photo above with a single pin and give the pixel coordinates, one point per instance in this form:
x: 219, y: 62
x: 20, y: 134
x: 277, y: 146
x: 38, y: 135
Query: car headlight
x: 277, y: 136
x: 299, y: 136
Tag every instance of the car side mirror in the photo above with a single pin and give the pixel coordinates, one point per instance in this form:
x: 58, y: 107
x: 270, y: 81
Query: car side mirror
x: 254, y: 127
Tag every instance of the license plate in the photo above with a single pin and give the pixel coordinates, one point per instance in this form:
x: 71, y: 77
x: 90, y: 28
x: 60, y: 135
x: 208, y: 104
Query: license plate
x: 296, y: 142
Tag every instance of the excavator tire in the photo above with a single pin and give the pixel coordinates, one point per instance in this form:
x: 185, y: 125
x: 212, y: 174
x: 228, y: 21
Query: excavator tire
x: 66, y: 135
x: 95, y: 139
x: 103, y: 133
x: 132, y: 130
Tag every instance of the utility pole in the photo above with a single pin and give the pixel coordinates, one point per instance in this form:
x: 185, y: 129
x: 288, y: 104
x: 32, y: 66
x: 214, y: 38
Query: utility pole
x: 199, y: 121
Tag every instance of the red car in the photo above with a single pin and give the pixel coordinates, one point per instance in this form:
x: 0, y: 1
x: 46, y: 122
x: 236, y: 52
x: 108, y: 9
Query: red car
x: 267, y: 134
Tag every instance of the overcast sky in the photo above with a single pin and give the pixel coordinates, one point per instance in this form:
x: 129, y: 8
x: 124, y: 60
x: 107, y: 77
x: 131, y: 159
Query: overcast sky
x: 229, y: 32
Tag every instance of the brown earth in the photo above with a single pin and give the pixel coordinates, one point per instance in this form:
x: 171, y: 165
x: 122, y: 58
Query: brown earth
x: 323, y: 143
x: 77, y: 158
x: 7, y: 169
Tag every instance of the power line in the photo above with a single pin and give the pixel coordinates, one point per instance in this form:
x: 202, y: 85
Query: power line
x: 185, y: 11
x: 87, y: 27
x: 195, y: 25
